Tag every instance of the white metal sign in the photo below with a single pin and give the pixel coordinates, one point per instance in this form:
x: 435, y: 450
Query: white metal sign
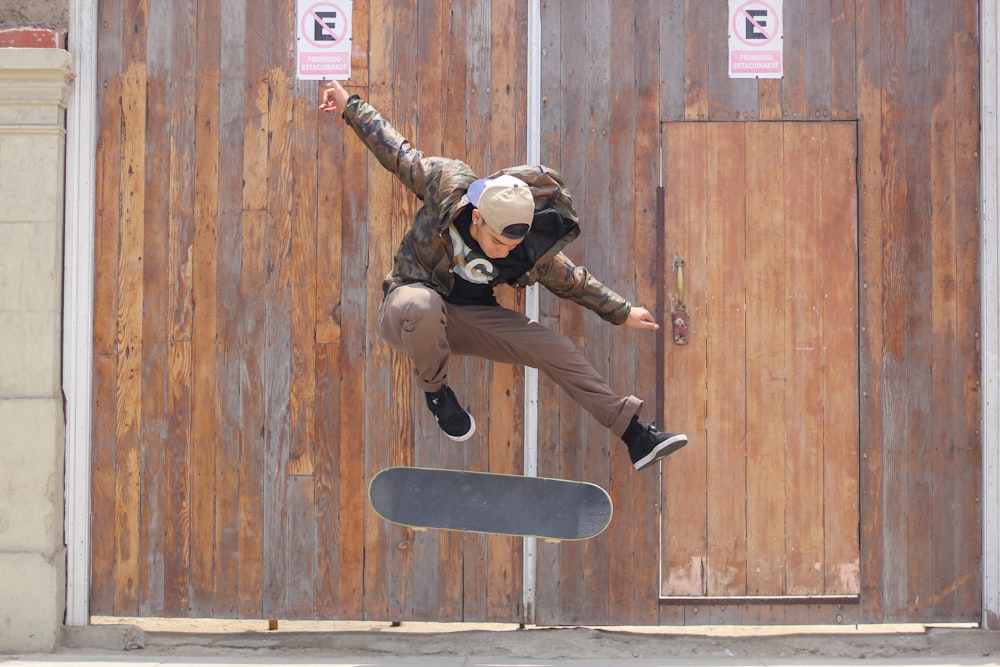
x: 755, y: 39
x: 323, y: 39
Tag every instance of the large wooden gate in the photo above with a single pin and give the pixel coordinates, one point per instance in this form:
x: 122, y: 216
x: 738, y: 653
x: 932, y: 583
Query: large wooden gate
x: 242, y: 399
x: 761, y: 237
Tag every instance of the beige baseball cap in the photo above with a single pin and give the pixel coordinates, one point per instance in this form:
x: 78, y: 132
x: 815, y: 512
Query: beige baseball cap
x: 506, y: 204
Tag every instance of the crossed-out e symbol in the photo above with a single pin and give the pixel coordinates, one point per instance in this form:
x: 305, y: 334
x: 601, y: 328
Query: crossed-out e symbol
x: 324, y: 25
x: 328, y: 25
x: 755, y: 23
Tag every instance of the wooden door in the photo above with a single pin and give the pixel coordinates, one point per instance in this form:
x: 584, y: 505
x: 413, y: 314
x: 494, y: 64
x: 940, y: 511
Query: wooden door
x: 764, y: 501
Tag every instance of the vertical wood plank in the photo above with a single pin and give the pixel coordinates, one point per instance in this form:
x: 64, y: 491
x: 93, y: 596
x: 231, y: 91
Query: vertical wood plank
x: 177, y: 538
x: 301, y: 545
x: 818, y: 59
x: 303, y: 261
x: 765, y: 322
x: 726, y: 423
x: 628, y: 560
x: 504, y: 434
x: 204, y: 325
x: 102, y: 494
x: 177, y: 587
x: 553, y: 42
x: 803, y: 348
x: 479, y: 153
x: 715, y: 35
x: 453, y: 79
x: 230, y: 306
x: 253, y: 223
x: 696, y: 59
x: 944, y: 314
x: 277, y: 353
x: 291, y: 263
x: 603, y: 128
x: 965, y: 484
x: 843, y: 60
x: 893, y: 356
x: 672, y: 63
x: 430, y: 31
x: 562, y: 596
x: 128, y: 415
x: 183, y: 168
x: 108, y: 162
x: 106, y: 294
x: 398, y: 440
x: 330, y: 533
x: 352, y: 572
x: 794, y: 97
x: 769, y: 97
x: 285, y: 454
x: 252, y: 326
x: 684, y: 476
x: 465, y: 586
x: 919, y: 381
x: 506, y: 99
x: 555, y: 426
x: 331, y: 169
x: 330, y: 221
x: 839, y: 238
x: 429, y: 444
x: 381, y: 372
x: 154, y: 378
x: 634, y: 581
x: 870, y: 259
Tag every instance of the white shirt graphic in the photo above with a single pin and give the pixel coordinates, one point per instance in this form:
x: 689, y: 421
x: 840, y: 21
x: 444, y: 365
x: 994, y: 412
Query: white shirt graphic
x: 471, y: 265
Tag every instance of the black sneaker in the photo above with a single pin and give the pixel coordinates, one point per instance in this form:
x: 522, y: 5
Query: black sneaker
x: 456, y: 423
x: 649, y: 445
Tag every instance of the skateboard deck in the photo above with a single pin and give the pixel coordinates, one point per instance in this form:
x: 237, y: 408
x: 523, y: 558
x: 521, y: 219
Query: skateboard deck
x: 543, y: 507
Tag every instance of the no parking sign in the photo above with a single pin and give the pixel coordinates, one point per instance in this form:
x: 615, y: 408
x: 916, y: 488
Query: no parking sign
x: 755, y: 39
x: 323, y: 39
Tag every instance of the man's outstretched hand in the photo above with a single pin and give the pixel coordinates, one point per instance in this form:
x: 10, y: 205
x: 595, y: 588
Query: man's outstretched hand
x: 640, y: 318
x: 334, y: 98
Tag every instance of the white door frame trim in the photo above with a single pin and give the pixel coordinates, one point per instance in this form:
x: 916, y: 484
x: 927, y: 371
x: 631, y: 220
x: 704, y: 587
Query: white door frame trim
x: 531, y: 305
x: 989, y: 226
x: 78, y: 304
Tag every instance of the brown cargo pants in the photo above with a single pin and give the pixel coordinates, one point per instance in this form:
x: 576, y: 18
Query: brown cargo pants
x: 415, y: 319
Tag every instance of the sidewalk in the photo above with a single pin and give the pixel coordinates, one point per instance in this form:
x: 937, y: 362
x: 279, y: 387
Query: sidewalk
x: 410, y: 661
x: 212, y: 643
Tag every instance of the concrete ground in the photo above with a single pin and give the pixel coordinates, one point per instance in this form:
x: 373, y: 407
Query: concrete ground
x: 193, y: 643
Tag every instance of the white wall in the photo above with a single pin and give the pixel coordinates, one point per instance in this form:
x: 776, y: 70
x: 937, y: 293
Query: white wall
x: 34, y: 87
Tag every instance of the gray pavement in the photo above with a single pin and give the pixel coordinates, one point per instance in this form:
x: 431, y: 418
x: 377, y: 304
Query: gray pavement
x: 443, y: 661
x: 462, y: 645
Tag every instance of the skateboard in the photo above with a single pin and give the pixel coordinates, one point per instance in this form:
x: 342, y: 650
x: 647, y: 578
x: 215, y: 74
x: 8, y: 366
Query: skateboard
x: 482, y: 502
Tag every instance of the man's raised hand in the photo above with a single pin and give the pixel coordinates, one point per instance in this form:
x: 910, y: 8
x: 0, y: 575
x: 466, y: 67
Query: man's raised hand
x: 334, y: 98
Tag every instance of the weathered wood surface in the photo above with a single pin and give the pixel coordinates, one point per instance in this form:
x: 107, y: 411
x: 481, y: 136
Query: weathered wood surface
x: 243, y: 398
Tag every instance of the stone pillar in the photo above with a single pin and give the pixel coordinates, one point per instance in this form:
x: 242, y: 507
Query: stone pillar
x: 34, y: 87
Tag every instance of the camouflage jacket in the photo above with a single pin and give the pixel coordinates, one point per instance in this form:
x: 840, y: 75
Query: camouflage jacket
x: 425, y: 253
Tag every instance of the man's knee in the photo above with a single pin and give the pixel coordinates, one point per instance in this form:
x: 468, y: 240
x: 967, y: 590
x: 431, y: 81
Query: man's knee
x: 412, y: 306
